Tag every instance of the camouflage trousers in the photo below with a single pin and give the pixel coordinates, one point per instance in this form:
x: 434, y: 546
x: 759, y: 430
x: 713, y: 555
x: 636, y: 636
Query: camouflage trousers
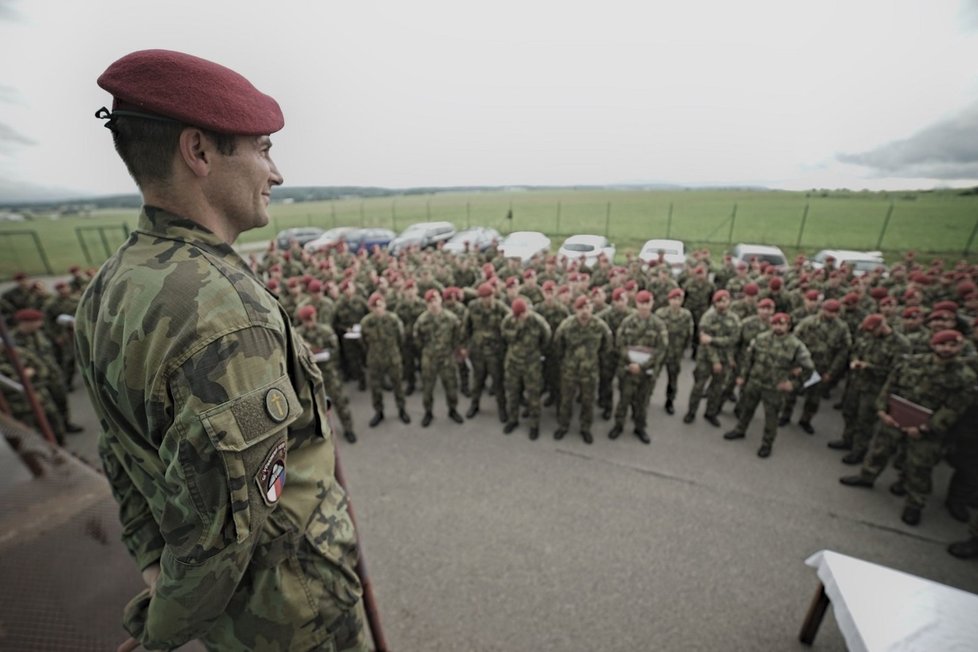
x: 354, y: 358
x: 813, y: 398
x: 336, y: 394
x: 750, y: 396
x: 410, y: 356
x: 673, y: 363
x: 521, y: 379
x: 922, y: 456
x: 634, y: 390
x: 606, y: 382
x: 433, y: 367
x: 20, y: 409
x: 487, y: 362
x: 380, y: 369
x: 703, y: 374
x: 859, y: 414
x: 572, y: 383
x: 551, y: 374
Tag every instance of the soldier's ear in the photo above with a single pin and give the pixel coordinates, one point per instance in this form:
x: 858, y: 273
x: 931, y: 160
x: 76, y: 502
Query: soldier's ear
x: 195, y: 151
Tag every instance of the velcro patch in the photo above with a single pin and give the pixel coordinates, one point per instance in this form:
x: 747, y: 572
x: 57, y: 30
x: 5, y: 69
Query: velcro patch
x: 271, y: 474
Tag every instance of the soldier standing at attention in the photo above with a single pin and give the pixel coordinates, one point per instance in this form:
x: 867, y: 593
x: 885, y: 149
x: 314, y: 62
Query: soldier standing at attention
x: 581, y: 341
x: 679, y: 323
x: 408, y: 308
x: 481, y: 330
x: 439, y: 337
x: 939, y: 382
x: 641, y: 335
x: 718, y: 333
x: 555, y: 313
x: 350, y: 309
x: 527, y: 336
x: 383, y: 336
x: 205, y: 393
x: 325, y: 347
x: 776, y: 363
x: 698, y: 291
x: 613, y: 315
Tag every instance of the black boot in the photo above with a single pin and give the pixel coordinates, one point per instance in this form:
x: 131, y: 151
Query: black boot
x: 427, y: 419
x: 712, y: 420
x: 690, y: 417
x: 509, y: 427
x: 669, y: 407
x: 559, y: 433
x: 958, y: 511
x: 350, y: 436
x: 534, y: 433
x: 807, y: 427
x: 473, y: 410
x: 856, y: 481
x: 642, y: 436
x: 854, y: 458
x: 586, y: 436
x: 764, y: 451
x: 840, y: 445
x: 911, y: 515
x: 606, y: 414
x: 964, y: 549
x: 503, y: 415
x: 402, y: 413
x: 614, y: 432
x: 455, y: 416
x: 377, y: 418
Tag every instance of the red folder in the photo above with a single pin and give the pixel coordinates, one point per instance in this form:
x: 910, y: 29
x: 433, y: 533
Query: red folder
x: 907, y: 413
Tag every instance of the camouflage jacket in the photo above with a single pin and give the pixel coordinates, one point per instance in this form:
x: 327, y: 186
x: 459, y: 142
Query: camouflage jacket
x: 881, y: 353
x: 383, y: 336
x: 698, y: 294
x: 319, y: 338
x: 679, y: 323
x: 555, y: 313
x: 580, y: 347
x: 408, y: 311
x: 749, y: 329
x: 526, y: 339
x: 205, y: 396
x: 772, y: 359
x: 325, y: 309
x: 829, y: 342
x: 437, y: 335
x: 725, y: 331
x: 482, y: 323
x: 650, y: 333
x: 614, y: 317
x: 349, y: 311
x: 945, y: 387
x: 743, y: 308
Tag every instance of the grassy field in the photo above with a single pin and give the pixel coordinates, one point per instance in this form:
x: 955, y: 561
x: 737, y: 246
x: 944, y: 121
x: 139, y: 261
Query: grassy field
x: 940, y: 223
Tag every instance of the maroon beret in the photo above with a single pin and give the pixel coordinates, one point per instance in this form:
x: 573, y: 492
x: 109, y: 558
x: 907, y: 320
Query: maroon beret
x: 410, y: 283
x: 530, y: 272
x: 775, y: 283
x: 888, y: 301
x: 643, y: 297
x: 912, y: 312
x: 580, y: 302
x: 305, y: 312
x: 850, y: 299
x: 765, y: 303
x: 168, y: 84
x: 28, y: 314
x: 548, y: 286
x: 946, y: 336
x: 720, y: 294
x: 877, y: 293
x: 597, y: 290
x: 272, y: 284
x: 563, y: 289
x: 832, y: 305
x: 812, y: 295
x: 940, y: 314
x: 751, y: 289
x: 781, y: 318
x: 374, y: 298
x: 631, y: 285
x: 675, y: 292
x: 950, y: 306
x: 485, y: 290
x: 314, y: 286
x: 512, y: 281
x: 872, y: 322
x: 519, y: 307
x: 617, y: 293
x: 431, y: 295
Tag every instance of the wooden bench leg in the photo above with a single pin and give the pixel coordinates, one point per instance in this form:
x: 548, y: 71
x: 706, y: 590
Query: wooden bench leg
x: 814, y: 617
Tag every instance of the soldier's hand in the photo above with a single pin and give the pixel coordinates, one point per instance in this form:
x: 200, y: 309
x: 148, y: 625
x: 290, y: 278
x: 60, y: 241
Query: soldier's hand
x: 786, y: 386
x: 128, y: 645
x: 826, y: 377
x: 913, y: 432
x: 796, y: 371
x: 717, y: 368
x: 150, y: 574
x: 888, y: 420
x: 705, y: 338
x: 739, y: 381
x: 634, y: 369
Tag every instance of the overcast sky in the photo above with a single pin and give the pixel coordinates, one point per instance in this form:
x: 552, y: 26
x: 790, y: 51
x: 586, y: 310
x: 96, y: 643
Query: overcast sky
x: 857, y: 93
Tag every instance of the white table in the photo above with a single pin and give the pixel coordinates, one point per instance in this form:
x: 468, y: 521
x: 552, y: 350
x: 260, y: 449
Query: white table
x: 878, y: 608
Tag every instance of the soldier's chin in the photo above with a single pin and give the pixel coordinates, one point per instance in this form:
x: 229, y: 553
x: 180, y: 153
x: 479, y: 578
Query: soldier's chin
x: 947, y: 355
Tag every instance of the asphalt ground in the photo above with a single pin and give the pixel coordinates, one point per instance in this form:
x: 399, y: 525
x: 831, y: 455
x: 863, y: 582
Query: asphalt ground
x: 476, y: 540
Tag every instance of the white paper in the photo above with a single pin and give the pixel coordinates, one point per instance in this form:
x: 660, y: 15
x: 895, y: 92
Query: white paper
x: 322, y: 356
x: 814, y: 378
x: 638, y: 356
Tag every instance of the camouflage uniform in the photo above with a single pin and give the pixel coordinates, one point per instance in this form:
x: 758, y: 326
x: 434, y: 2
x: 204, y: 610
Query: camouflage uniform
x: 725, y: 330
x: 679, y: 323
x: 580, y: 349
x: 322, y: 340
x: 945, y: 387
x: 349, y: 312
x: 486, y: 350
x: 218, y: 397
x: 62, y: 336
x: 859, y: 402
x: 698, y: 292
x: 438, y: 336
x: 770, y: 359
x: 20, y: 406
x: 555, y: 313
x: 408, y: 310
x: 383, y: 337
x: 829, y: 341
x: 526, y: 340
x: 636, y: 389
x: 609, y: 365
x: 43, y: 348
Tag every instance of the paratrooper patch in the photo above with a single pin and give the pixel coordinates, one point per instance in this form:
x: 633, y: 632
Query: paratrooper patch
x: 271, y: 475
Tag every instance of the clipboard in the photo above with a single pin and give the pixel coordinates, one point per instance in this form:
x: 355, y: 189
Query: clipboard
x: 907, y: 413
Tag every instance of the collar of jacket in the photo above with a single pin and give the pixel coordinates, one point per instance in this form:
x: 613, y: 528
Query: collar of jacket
x: 163, y: 224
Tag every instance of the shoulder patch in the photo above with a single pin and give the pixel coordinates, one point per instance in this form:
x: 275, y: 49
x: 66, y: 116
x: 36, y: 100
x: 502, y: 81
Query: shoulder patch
x: 277, y: 405
x: 270, y: 477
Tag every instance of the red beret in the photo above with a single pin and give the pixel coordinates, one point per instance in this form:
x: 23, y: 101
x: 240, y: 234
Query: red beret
x: 911, y: 312
x: 781, y: 318
x: 872, y: 322
x: 850, y: 299
x: 887, y: 301
x: 345, y: 284
x: 966, y: 287
x: 431, y: 295
x: 272, y: 284
x: 305, y: 312
x: 597, y: 290
x: 314, y: 286
x: 700, y: 271
x: 188, y: 89
x: 617, y: 293
x: 529, y: 272
x: 832, y: 305
x: 410, y: 283
x: 751, y: 289
x: 631, y: 285
x: 451, y: 292
x: 765, y: 303
x: 950, y: 306
x: 720, y: 294
x: 28, y: 314
x: 643, y: 297
x: 512, y: 281
x: 74, y: 269
x: 877, y: 293
x: 940, y: 314
x: 374, y: 298
x: 675, y: 292
x: 485, y: 290
x: 580, y: 302
x: 910, y: 292
x: 563, y: 289
x: 548, y: 286
x: 293, y: 281
x: 572, y: 277
x: 775, y: 283
x: 60, y: 285
x: 812, y: 295
x: 946, y: 336
x: 519, y: 307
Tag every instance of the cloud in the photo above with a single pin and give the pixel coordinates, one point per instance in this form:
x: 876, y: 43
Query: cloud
x: 9, y: 136
x: 946, y: 150
x: 969, y: 14
x: 7, y: 11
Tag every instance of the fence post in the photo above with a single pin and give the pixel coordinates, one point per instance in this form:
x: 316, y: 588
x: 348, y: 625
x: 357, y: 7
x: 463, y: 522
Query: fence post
x: 40, y: 250
x: 393, y: 215
x: 801, y: 229
x: 557, y: 232
x: 971, y: 240
x: 607, y: 220
x: 105, y: 241
x: 468, y: 215
x: 886, y: 224
x: 361, y: 212
x: 669, y: 222
x: 733, y: 218
x: 332, y: 208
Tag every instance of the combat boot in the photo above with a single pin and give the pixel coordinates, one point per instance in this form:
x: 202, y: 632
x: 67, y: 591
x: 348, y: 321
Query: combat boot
x: 473, y: 410
x: 897, y: 488
x: 840, y: 445
x: 856, y: 481
x: 783, y: 421
x: 642, y: 436
x: 586, y: 436
x: 964, y: 549
x: 807, y: 427
x: 503, y: 415
x: 350, y: 436
x: 733, y: 434
x: 534, y: 433
x: 712, y: 420
x: 559, y: 433
x: 427, y: 419
x: 690, y: 417
x: 670, y: 409
x: 957, y: 510
x: 614, y: 432
x: 606, y: 413
x: 764, y: 451
x: 509, y: 427
x: 854, y: 458
x: 377, y: 418
x: 402, y: 413
x: 911, y: 515
x: 455, y: 416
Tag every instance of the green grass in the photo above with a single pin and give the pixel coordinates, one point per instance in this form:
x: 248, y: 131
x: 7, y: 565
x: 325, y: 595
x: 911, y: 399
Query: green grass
x: 939, y: 223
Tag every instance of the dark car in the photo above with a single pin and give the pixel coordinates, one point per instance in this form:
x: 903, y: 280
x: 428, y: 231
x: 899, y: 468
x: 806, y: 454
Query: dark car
x: 302, y: 235
x: 423, y: 234
x: 367, y: 239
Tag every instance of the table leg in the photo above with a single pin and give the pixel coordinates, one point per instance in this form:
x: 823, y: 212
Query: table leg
x: 814, y: 617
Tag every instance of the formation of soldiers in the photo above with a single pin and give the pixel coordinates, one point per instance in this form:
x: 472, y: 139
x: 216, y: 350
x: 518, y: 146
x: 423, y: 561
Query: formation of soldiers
x: 555, y: 334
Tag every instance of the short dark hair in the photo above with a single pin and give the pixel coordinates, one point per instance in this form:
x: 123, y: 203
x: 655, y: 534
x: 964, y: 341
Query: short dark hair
x: 147, y: 146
